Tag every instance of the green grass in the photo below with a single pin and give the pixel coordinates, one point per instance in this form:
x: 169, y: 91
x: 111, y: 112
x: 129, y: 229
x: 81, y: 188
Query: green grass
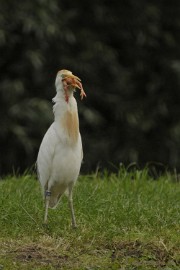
x: 126, y: 221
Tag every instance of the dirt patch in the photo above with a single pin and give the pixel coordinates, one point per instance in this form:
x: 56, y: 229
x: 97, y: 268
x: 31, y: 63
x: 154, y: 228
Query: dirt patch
x: 40, y: 255
x: 115, y: 255
x: 135, y: 252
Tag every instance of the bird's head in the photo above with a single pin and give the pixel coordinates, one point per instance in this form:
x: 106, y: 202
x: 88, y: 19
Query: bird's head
x: 68, y: 82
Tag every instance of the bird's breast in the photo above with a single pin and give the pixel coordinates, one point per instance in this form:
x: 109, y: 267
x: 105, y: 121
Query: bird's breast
x: 70, y: 123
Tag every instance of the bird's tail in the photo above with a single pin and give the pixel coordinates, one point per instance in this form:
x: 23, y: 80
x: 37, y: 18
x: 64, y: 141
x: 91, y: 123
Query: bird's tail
x: 55, y: 196
x: 54, y: 200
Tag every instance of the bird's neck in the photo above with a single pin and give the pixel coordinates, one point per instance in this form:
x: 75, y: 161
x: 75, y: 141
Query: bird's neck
x: 66, y: 116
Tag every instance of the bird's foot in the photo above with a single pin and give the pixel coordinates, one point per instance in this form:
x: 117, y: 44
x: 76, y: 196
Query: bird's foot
x: 74, y: 226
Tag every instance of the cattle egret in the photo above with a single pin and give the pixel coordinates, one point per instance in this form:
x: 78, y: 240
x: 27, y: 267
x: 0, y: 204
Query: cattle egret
x: 60, y: 154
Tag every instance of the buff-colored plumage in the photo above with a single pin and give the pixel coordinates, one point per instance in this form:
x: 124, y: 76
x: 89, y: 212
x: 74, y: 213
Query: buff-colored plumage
x: 60, y: 154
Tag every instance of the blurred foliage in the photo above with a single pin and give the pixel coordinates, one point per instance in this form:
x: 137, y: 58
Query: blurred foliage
x: 128, y: 56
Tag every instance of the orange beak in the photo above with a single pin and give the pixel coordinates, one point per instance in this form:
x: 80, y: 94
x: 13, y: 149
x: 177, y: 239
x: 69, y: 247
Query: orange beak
x: 71, y: 80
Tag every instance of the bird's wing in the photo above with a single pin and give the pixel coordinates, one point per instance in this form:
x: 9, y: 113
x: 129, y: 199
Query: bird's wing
x: 46, y: 155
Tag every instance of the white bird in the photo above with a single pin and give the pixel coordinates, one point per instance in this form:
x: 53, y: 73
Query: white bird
x: 60, y: 154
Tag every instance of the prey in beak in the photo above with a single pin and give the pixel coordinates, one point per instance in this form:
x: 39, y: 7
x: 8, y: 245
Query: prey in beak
x: 71, y: 81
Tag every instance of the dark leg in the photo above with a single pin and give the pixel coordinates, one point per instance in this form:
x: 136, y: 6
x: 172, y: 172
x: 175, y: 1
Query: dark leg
x: 71, y: 207
x: 47, y: 199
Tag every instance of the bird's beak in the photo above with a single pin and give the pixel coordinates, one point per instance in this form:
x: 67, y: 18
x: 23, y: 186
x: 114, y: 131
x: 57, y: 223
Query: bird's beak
x: 71, y: 80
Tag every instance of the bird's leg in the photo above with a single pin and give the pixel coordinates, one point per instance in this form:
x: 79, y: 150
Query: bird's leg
x: 47, y: 199
x: 71, y: 207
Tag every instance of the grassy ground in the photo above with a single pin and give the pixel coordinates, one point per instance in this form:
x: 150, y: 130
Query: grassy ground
x: 126, y: 221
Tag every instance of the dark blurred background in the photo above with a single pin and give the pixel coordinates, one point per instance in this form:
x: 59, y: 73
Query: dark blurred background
x: 127, y: 54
